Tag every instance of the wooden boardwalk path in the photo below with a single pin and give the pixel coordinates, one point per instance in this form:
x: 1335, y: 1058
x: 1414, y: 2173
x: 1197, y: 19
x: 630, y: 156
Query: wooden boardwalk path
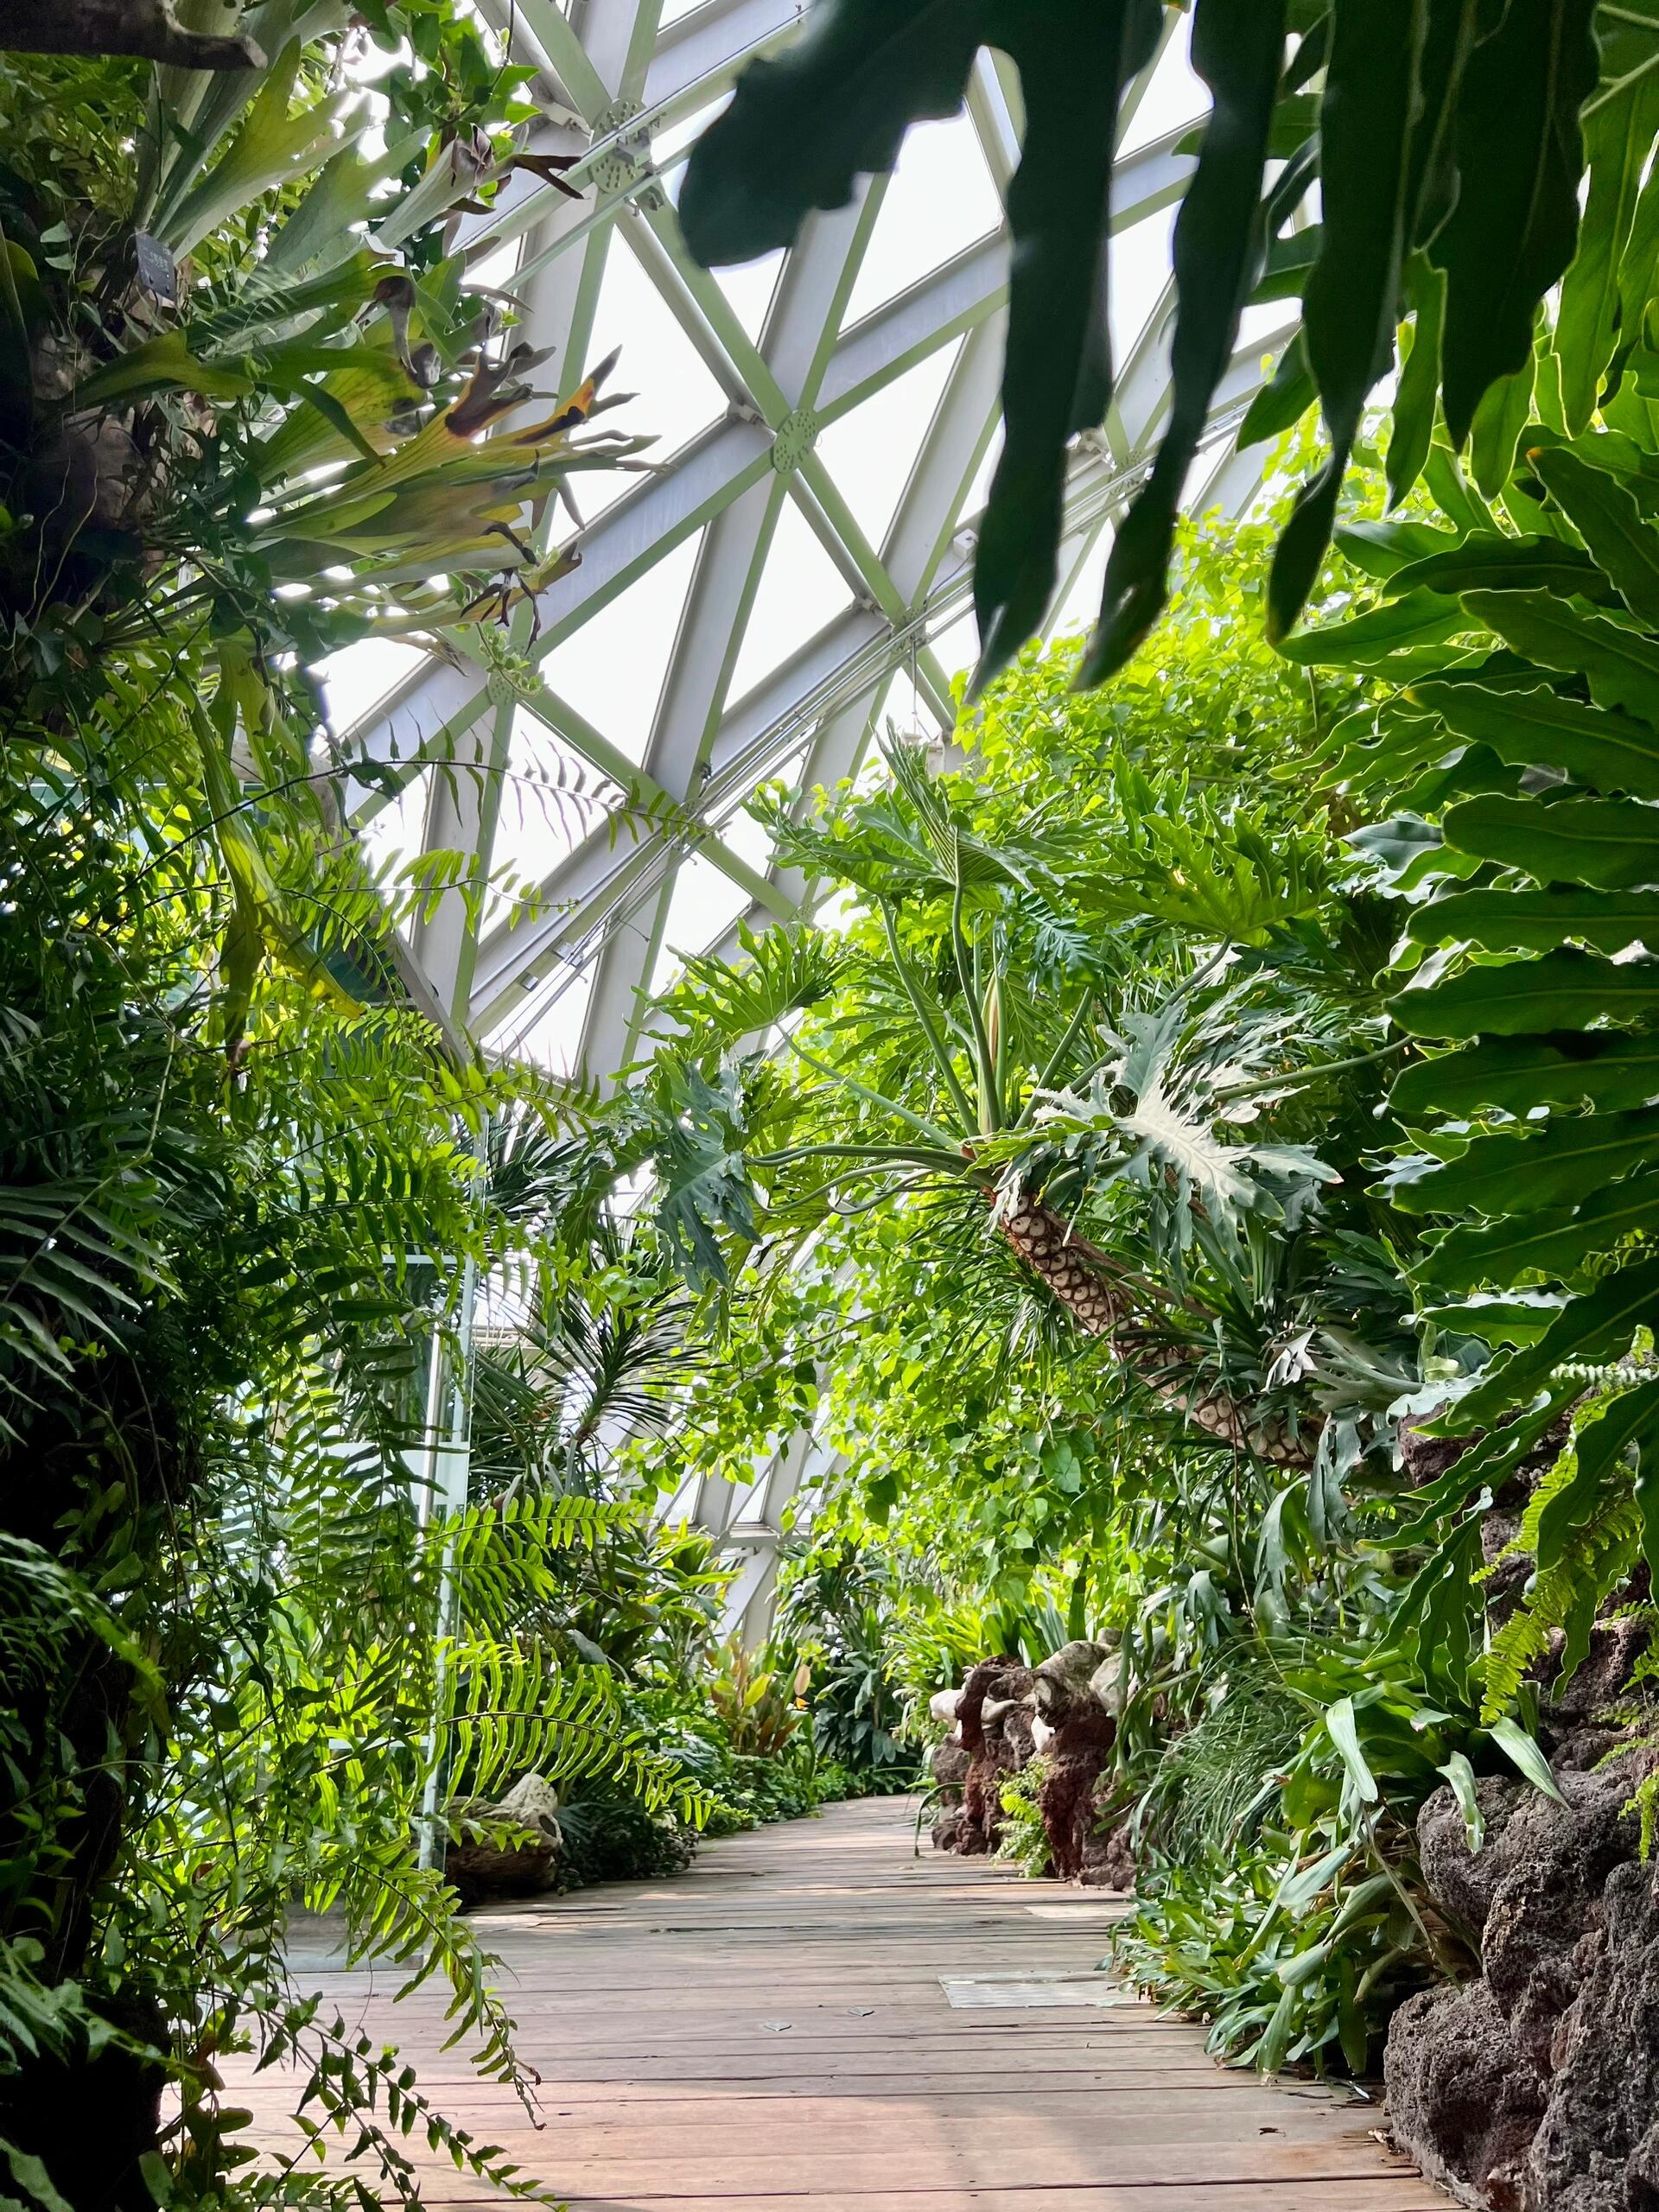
x: 774, y: 2026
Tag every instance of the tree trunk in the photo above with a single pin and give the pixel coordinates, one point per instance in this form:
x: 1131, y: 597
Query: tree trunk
x: 1082, y: 1279
x: 145, y: 28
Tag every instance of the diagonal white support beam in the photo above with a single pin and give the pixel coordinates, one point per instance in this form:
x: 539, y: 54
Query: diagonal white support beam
x: 648, y: 523
x: 796, y: 344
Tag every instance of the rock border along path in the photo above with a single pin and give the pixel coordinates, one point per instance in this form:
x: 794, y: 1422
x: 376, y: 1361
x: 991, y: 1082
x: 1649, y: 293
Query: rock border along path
x: 773, y: 2027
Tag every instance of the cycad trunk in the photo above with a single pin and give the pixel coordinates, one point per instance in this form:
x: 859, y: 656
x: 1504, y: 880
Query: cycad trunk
x: 1083, y: 1281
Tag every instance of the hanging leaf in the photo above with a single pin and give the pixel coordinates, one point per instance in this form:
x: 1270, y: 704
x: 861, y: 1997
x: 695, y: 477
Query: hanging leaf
x: 1623, y: 667
x: 1237, y: 49
x: 1484, y: 563
x: 1453, y: 494
x: 1609, y: 521
x: 804, y: 124
x: 1421, y: 618
x: 1352, y: 303
x: 1599, y: 1448
x: 1538, y: 727
x: 1597, y: 1326
x: 1556, y: 1244
x: 1282, y: 400
x: 1417, y: 396
x: 1505, y: 1173
x: 1536, y: 921
x: 1502, y: 416
x: 1618, y: 139
x: 1564, y: 990
x: 1516, y: 1073
x: 1520, y: 155
x: 1074, y: 62
x: 1612, y: 842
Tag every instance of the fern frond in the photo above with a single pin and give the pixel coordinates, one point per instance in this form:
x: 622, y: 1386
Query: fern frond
x: 1599, y: 1554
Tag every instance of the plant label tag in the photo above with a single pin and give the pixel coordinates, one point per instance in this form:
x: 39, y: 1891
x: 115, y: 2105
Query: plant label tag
x: 157, y: 271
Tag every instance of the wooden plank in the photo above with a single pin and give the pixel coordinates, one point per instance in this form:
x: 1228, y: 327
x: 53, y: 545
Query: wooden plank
x: 1185, y: 2181
x: 1393, y: 2193
x: 769, y: 2031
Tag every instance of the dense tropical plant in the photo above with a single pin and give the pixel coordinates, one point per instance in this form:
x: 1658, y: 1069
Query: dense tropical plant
x: 1451, y: 144
x: 1065, y: 1037
x: 1512, y: 722
x: 251, y: 1644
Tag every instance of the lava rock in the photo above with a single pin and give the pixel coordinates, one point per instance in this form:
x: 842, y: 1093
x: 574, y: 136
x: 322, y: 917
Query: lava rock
x: 1461, y: 2099
x: 994, y: 1717
x: 1080, y: 1743
x: 1596, y: 2149
x: 1536, y: 2088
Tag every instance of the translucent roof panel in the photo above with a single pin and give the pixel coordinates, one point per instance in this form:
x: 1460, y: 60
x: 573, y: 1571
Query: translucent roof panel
x: 795, y: 566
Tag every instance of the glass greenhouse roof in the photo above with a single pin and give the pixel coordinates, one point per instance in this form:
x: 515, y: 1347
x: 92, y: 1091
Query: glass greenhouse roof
x: 795, y: 569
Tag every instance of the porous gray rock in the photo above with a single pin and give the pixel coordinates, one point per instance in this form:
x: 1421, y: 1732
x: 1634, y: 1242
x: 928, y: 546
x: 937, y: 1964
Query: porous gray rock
x: 1596, y: 2149
x: 1460, y: 2098
x: 1536, y: 2088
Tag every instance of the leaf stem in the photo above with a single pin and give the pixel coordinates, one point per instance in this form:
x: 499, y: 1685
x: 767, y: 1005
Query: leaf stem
x: 990, y: 1104
x: 936, y: 1043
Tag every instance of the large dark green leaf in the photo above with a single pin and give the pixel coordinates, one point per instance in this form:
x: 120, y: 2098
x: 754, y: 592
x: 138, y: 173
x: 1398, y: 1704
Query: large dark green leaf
x: 1609, y: 521
x: 1611, y: 843
x: 1454, y: 495
x: 1237, y: 49
x: 1411, y: 430
x: 1539, y: 728
x: 1520, y: 155
x: 1640, y: 260
x: 1285, y: 266
x: 1432, y: 185
x: 1282, y: 400
x: 1631, y: 1419
x: 1537, y: 921
x: 1516, y: 1073
x: 1505, y: 409
x: 1597, y: 1327
x: 1566, y: 989
x: 1421, y: 618
x: 1553, y: 1244
x: 1074, y: 58
x: 1506, y: 564
x: 802, y: 127
x: 1618, y: 139
x: 1352, y: 301
x: 1621, y: 667
x: 1518, y: 1172
x: 1383, y: 549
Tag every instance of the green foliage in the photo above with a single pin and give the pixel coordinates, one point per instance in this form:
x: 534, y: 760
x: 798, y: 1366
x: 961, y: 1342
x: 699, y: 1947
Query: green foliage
x: 1075, y: 988
x: 1024, y: 1840
x: 753, y: 1703
x: 834, y: 1610
x: 1217, y: 1776
x: 247, y: 1189
x: 1290, y: 1963
x: 1525, y: 726
x: 1453, y: 146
